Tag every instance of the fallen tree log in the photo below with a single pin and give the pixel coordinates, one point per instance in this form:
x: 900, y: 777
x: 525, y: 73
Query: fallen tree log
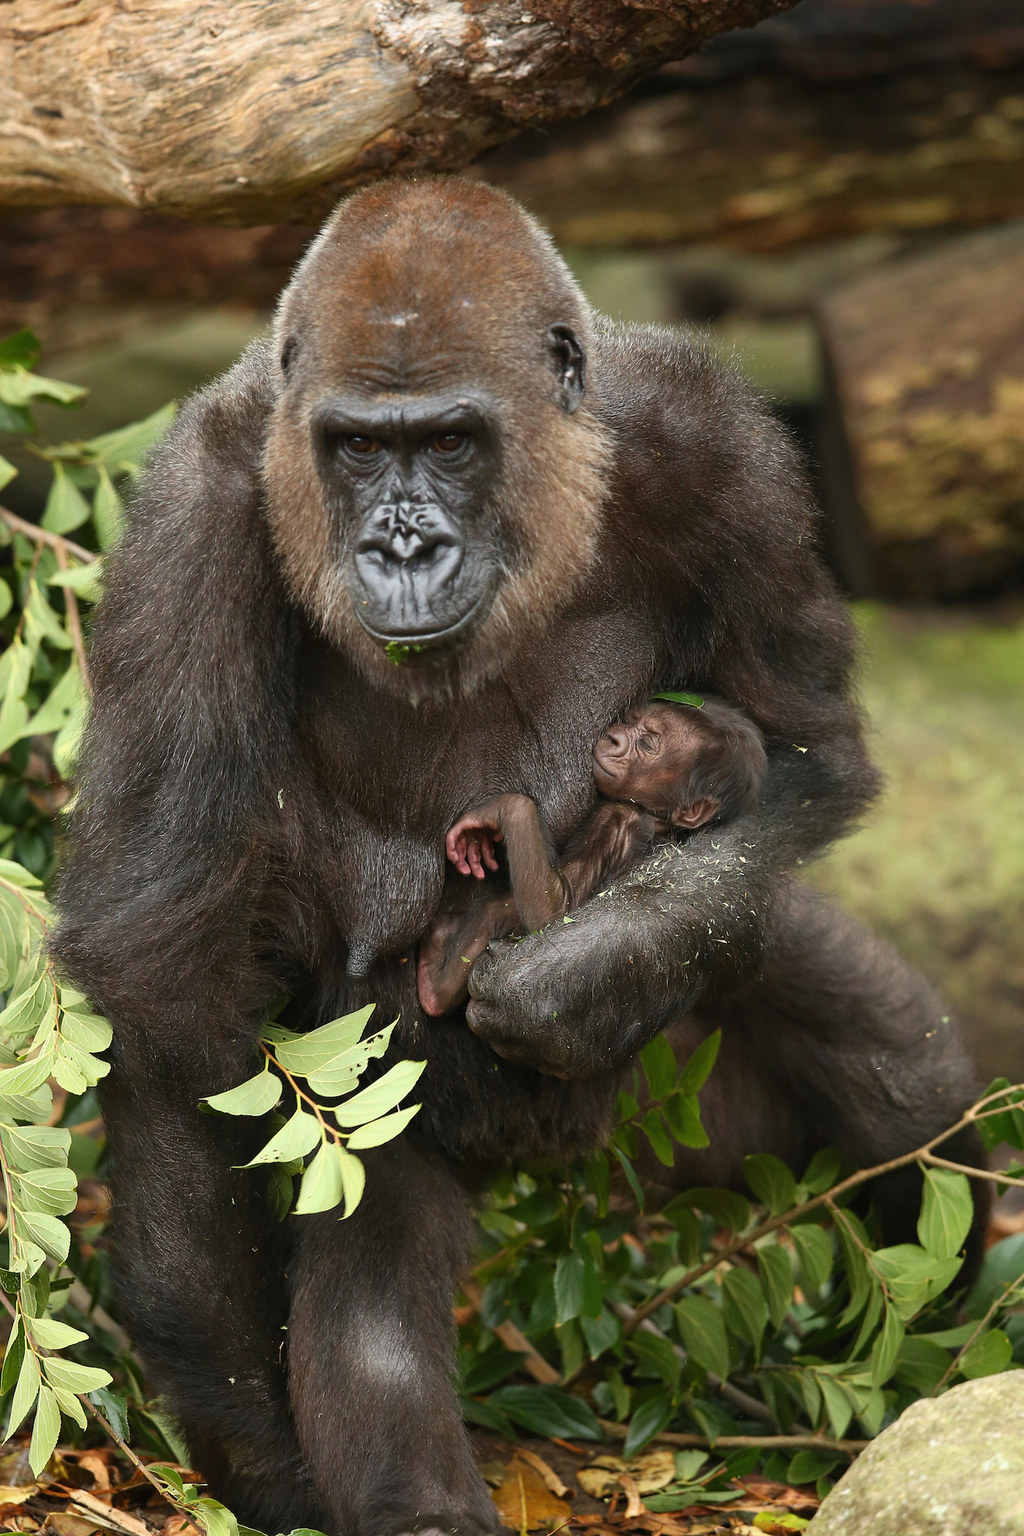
x: 248, y: 111
x: 926, y: 357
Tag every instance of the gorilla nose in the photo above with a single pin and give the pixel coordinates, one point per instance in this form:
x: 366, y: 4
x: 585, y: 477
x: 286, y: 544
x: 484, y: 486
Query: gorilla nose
x: 407, y: 534
x: 617, y: 738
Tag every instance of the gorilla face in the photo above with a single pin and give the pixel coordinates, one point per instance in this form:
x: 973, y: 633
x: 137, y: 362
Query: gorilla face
x: 433, y: 474
x: 410, y: 479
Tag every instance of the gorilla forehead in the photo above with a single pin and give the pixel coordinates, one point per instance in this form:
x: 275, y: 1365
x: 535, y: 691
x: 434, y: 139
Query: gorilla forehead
x: 421, y: 283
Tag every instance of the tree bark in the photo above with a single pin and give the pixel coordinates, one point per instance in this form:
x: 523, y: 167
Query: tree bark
x: 837, y: 118
x: 248, y: 111
x: 927, y: 360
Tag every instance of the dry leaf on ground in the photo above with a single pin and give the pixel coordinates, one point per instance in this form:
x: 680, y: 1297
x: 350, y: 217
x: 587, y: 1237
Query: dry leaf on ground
x: 525, y: 1502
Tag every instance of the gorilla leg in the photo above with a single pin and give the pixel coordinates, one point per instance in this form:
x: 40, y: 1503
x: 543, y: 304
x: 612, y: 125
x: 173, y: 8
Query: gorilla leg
x: 836, y: 1042
x: 371, y: 1353
x: 200, y: 1273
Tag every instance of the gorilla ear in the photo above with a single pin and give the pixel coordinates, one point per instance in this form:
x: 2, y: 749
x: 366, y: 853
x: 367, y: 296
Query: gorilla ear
x: 570, y: 364
x: 695, y: 815
x: 288, y: 352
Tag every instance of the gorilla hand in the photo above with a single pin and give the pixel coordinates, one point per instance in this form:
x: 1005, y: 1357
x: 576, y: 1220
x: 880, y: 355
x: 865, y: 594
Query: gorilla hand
x: 583, y: 995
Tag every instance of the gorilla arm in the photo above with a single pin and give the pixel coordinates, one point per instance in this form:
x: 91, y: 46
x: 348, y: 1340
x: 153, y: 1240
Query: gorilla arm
x: 583, y: 997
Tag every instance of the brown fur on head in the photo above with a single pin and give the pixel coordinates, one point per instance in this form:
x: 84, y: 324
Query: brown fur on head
x: 416, y: 287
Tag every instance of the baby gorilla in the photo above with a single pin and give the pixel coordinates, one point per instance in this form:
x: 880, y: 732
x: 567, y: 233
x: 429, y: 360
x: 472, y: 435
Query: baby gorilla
x: 664, y: 768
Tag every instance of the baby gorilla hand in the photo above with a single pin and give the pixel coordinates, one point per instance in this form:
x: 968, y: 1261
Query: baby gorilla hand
x: 470, y: 844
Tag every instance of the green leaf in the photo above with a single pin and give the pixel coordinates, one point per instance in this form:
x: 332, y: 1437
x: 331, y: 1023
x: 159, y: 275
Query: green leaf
x: 570, y: 1280
x: 808, y: 1466
x: 776, y: 1271
x: 314, y: 1050
x: 693, y: 699
x: 67, y: 696
x: 342, y: 1072
x: 703, y: 1333
x: 375, y: 1132
x: 72, y: 1377
x: 771, y: 1182
x: 45, y: 1431
x: 321, y: 1187
x: 682, y: 1111
x: 19, y: 387
x: 14, y: 1355
x: 114, y: 1409
x: 914, y: 1276
x: 698, y: 1069
x: 656, y: 1131
x: 822, y: 1171
x: 20, y: 350
x: 86, y: 1030
x: 659, y: 1064
x: 51, y: 1235
x: 837, y: 1404
x: 990, y: 1353
x: 722, y: 1205
x: 215, y: 1518
x: 887, y: 1347
x: 548, y: 1411
x: 46, y: 1190
x: 25, y: 1392
x: 296, y: 1137
x: 630, y: 1173
x: 657, y: 1356
x: 921, y: 1366
x: 1002, y: 1268
x: 48, y: 1333
x: 107, y: 511
x: 353, y: 1179
x: 744, y: 1306
x: 6, y: 595
x: 814, y: 1250
x: 387, y: 1092
x: 70, y: 1405
x: 66, y: 508
x: 254, y: 1097
x: 648, y: 1420
x: 84, y: 580
x: 946, y: 1212
x: 27, y: 1147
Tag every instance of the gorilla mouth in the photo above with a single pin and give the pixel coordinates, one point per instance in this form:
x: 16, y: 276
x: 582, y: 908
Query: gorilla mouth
x: 420, y: 644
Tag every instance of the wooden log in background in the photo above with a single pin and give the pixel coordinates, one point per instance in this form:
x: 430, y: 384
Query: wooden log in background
x: 927, y: 356
x: 244, y: 111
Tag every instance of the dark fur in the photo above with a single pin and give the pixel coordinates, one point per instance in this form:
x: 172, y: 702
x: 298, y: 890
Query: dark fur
x: 264, y: 795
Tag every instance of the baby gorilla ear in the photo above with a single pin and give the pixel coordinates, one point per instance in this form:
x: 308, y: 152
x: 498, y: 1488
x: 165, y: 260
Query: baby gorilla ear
x: 695, y: 815
x: 570, y: 364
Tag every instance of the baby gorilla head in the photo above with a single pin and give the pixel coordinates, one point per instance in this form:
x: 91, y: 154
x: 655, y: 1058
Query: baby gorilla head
x: 687, y: 765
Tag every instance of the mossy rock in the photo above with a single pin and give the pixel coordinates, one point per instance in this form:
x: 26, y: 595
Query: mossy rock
x: 951, y: 1466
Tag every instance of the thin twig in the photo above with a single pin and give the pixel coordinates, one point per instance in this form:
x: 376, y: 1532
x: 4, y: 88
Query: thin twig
x: 980, y: 1111
x: 992, y: 1174
x: 1001, y: 1300
x: 733, y: 1394
x: 43, y: 536
x: 74, y: 620
x: 514, y: 1339
x: 740, y: 1442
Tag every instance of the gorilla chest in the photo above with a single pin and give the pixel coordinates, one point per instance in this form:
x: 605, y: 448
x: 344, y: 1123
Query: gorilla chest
x: 400, y: 775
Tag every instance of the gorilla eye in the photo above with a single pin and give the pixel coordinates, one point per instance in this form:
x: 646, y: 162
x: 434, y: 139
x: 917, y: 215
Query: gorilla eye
x: 358, y: 442
x: 448, y: 442
x: 648, y: 744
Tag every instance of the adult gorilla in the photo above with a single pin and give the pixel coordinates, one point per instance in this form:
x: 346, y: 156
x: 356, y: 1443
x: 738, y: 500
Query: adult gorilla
x: 444, y: 461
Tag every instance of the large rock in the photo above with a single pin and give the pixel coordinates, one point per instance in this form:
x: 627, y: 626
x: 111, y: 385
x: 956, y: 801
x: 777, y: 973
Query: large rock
x: 951, y: 1466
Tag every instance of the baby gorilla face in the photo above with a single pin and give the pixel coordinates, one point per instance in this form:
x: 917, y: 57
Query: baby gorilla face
x: 647, y: 758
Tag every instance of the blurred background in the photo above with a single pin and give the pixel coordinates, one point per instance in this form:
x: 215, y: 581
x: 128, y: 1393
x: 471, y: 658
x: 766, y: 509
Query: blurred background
x: 836, y: 198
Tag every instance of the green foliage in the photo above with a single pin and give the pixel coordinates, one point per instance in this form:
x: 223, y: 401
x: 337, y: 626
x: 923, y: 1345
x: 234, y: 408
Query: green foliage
x: 330, y: 1060
x: 719, y: 1316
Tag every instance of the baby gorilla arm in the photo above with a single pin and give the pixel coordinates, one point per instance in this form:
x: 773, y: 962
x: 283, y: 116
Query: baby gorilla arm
x: 541, y: 890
